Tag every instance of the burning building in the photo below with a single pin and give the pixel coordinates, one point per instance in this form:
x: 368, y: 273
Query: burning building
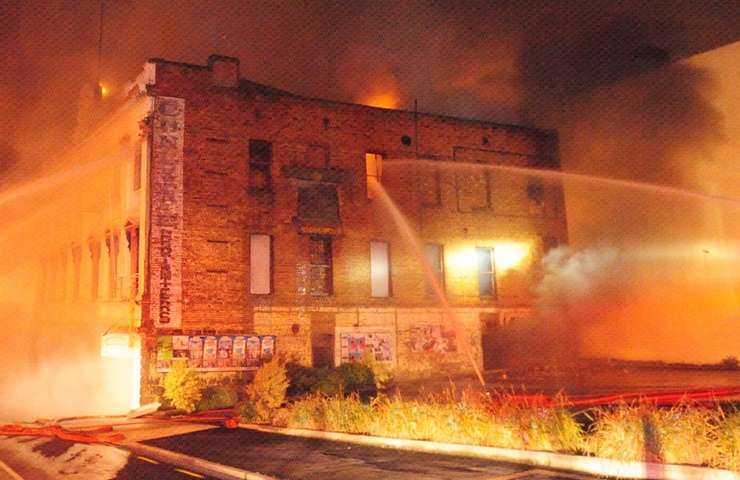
x: 218, y: 220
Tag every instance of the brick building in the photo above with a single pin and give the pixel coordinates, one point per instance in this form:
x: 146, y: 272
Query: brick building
x: 257, y: 227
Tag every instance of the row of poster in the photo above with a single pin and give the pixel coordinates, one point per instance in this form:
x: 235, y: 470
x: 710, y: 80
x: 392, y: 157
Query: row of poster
x: 215, y: 353
x: 352, y: 346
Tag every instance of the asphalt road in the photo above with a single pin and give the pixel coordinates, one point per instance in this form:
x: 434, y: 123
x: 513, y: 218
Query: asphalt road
x: 297, y: 458
x: 34, y: 458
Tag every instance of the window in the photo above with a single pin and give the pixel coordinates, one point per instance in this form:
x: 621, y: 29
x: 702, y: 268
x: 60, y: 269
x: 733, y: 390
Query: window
x: 380, y: 270
x: 373, y: 172
x: 260, y: 161
x: 260, y: 264
x: 536, y: 196
x: 431, y: 188
x: 318, y: 204
x: 320, y: 266
x: 486, y: 272
x: 435, y: 261
x: 137, y: 165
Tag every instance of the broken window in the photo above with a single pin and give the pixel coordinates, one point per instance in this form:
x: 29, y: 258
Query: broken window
x: 260, y: 264
x: 536, y: 196
x: 320, y: 266
x: 435, y: 261
x: 373, y: 172
x: 380, y: 269
x: 318, y: 204
x: 486, y: 272
x: 260, y: 162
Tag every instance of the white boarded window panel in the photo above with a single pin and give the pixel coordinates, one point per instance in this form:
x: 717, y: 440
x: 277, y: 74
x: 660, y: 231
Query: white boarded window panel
x: 379, y: 269
x: 259, y: 264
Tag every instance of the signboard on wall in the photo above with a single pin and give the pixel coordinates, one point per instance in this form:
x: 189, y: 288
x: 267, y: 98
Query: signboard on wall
x: 211, y: 353
x: 432, y: 338
x: 353, y: 345
x: 166, y: 184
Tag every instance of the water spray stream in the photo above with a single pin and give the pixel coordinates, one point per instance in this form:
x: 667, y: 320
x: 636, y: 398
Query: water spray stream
x: 413, y: 241
x: 574, y: 177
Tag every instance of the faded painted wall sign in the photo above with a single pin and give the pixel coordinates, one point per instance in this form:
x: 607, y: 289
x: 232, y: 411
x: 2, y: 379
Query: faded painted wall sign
x: 166, y: 212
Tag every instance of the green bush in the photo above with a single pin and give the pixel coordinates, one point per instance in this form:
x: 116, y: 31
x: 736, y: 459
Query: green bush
x: 217, y: 397
x: 347, y: 378
x: 267, y: 392
x: 182, y: 387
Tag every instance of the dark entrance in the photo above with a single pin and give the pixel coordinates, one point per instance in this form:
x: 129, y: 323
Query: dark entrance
x: 322, y: 339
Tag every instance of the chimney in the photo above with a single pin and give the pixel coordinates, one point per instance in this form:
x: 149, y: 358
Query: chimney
x: 224, y: 70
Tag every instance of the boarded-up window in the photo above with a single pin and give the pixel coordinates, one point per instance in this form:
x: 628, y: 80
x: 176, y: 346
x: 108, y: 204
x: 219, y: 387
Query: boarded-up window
x: 434, y: 259
x: 486, y: 272
x: 320, y: 266
x: 260, y: 264
x: 431, y: 188
x: 474, y: 190
x: 373, y: 172
x: 380, y: 270
x: 318, y: 204
x: 260, y: 162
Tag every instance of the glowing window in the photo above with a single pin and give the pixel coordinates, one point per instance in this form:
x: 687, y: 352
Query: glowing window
x: 260, y: 264
x: 433, y: 256
x: 373, y: 172
x: 486, y: 272
x: 380, y: 269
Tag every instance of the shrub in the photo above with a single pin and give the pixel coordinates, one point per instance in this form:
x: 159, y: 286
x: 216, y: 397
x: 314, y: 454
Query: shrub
x: 268, y: 389
x: 182, y: 387
x: 217, y: 397
x: 347, y: 378
x: 729, y: 442
x: 730, y: 363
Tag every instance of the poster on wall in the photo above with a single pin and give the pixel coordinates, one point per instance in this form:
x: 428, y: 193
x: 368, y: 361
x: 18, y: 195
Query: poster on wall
x: 432, y: 339
x: 268, y: 348
x: 354, y: 345
x: 214, y: 353
x: 164, y: 352
x: 253, y: 351
x: 165, y: 246
x: 239, y: 352
x: 195, y: 349
x: 223, y: 357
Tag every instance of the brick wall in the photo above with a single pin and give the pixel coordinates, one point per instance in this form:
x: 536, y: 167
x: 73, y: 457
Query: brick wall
x: 220, y: 210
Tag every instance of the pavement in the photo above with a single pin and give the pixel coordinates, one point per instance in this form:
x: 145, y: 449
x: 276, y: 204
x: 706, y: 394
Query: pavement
x: 296, y: 458
x: 36, y: 458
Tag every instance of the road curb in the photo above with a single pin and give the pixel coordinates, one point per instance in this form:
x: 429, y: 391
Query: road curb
x: 559, y: 461
x: 198, y: 465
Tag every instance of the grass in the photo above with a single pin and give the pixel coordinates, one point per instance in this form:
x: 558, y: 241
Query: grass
x: 683, y: 434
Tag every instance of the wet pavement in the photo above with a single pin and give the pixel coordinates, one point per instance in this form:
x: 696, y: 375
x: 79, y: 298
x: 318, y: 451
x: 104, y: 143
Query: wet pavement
x: 298, y: 458
x: 40, y: 458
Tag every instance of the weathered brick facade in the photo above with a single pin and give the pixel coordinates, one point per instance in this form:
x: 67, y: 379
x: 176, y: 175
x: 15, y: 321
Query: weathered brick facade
x: 317, y: 142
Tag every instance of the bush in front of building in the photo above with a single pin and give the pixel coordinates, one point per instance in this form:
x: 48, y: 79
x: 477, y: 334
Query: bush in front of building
x: 345, y: 379
x: 216, y: 397
x: 183, y: 387
x: 266, y: 393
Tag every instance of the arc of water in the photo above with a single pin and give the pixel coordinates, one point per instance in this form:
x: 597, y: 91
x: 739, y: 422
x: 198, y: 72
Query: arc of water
x: 412, y: 240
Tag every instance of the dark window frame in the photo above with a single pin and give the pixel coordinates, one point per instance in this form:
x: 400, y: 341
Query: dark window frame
x: 327, y: 265
x: 260, y: 163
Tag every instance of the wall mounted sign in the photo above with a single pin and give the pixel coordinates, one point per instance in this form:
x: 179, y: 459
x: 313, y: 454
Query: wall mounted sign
x: 166, y: 187
x: 215, y: 353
